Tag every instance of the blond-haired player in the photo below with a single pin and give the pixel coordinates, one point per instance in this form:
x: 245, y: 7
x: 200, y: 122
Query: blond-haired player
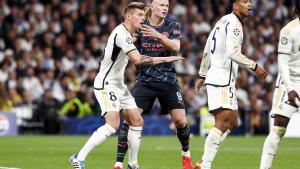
x: 110, y: 90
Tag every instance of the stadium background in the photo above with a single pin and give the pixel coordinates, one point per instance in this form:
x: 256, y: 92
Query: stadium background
x: 50, y: 52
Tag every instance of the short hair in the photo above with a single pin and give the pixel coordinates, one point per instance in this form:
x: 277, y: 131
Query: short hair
x: 233, y: 1
x: 134, y: 5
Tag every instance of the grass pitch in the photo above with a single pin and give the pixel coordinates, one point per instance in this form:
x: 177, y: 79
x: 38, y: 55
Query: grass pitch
x: 52, y: 152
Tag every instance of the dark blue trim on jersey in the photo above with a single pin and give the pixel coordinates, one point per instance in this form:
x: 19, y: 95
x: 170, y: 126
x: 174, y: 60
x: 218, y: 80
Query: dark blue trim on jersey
x: 114, y: 56
x: 284, y: 53
x: 210, y: 84
x: 238, y: 18
x: 226, y: 27
x: 130, y: 51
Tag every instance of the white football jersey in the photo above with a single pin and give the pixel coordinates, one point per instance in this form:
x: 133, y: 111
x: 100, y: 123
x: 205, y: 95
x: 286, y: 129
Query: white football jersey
x: 222, y: 53
x: 115, y: 58
x: 289, y: 55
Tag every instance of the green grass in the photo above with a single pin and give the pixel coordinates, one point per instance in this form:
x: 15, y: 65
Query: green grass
x: 52, y: 152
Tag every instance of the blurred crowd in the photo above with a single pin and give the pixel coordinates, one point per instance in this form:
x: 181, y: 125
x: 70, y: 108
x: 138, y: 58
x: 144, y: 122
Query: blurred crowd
x: 50, y: 52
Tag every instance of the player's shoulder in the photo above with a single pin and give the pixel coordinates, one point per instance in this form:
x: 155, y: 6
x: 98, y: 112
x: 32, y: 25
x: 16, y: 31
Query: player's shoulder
x: 290, y: 27
x: 170, y: 22
x: 120, y: 30
x: 233, y: 19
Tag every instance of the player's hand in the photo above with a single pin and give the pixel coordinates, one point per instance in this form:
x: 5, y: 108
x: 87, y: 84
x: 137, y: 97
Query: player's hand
x: 292, y: 96
x: 261, y: 73
x: 198, y: 85
x: 173, y: 58
x: 151, y: 32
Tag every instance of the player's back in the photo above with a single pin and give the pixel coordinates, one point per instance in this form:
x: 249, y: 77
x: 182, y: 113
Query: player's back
x: 226, y: 35
x: 114, y: 60
x: 289, y: 44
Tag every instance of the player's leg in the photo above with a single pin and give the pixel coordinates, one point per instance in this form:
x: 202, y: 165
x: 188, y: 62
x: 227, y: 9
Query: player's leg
x: 144, y: 99
x: 110, y: 111
x: 224, y: 119
x: 170, y: 99
x: 122, y: 145
x: 183, y: 134
x: 135, y: 121
x: 272, y: 141
x: 222, y: 103
x: 282, y: 112
x: 101, y: 134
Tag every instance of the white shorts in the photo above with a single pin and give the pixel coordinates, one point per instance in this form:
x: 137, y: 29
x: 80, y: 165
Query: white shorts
x: 221, y: 97
x: 114, y: 98
x: 280, y: 107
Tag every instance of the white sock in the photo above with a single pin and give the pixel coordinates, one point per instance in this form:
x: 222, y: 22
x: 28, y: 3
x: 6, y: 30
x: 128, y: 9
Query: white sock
x: 134, y: 140
x: 119, y: 164
x: 101, y: 134
x: 270, y: 146
x: 186, y: 153
x: 211, y: 147
x: 227, y: 132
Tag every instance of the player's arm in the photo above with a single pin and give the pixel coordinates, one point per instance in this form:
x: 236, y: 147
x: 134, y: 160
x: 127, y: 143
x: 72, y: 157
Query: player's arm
x: 284, y: 51
x: 205, y: 64
x: 233, y: 51
x: 170, y: 44
x: 139, y: 59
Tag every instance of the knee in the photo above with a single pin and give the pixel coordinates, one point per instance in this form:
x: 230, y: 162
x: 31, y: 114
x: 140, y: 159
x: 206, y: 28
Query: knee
x: 180, y: 123
x: 114, y: 124
x: 136, y: 122
x: 233, y: 124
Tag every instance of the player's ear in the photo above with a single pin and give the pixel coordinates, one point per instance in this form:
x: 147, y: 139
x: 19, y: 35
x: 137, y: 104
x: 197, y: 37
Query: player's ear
x: 234, y: 6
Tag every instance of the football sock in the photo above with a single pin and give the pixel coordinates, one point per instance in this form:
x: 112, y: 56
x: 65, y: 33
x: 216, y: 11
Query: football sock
x: 270, y: 146
x: 227, y: 132
x: 183, y: 135
x: 211, y: 147
x: 101, y: 134
x: 134, y: 140
x: 122, y: 143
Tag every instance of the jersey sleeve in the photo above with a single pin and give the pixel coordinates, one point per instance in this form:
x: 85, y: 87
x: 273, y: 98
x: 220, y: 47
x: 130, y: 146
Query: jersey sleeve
x: 125, y: 42
x: 175, y: 32
x: 284, y: 51
x: 285, y: 43
x: 205, y: 63
x: 234, y: 40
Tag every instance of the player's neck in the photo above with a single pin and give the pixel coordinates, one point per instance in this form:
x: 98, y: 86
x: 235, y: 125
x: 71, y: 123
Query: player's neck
x: 129, y: 27
x: 156, y: 21
x: 239, y: 15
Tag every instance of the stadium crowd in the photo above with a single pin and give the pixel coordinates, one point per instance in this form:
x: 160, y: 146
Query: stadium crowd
x: 50, y: 52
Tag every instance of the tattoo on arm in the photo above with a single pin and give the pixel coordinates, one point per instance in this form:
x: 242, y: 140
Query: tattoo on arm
x: 146, y: 60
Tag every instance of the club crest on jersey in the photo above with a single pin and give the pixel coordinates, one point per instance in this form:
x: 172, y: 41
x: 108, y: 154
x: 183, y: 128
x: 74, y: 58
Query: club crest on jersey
x: 129, y: 40
x: 179, y: 96
x: 284, y: 40
x: 236, y: 32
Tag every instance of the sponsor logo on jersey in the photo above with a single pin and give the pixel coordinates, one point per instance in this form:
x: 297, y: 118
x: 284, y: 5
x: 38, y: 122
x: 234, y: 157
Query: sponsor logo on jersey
x: 129, y: 40
x: 153, y: 47
x: 284, y: 40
